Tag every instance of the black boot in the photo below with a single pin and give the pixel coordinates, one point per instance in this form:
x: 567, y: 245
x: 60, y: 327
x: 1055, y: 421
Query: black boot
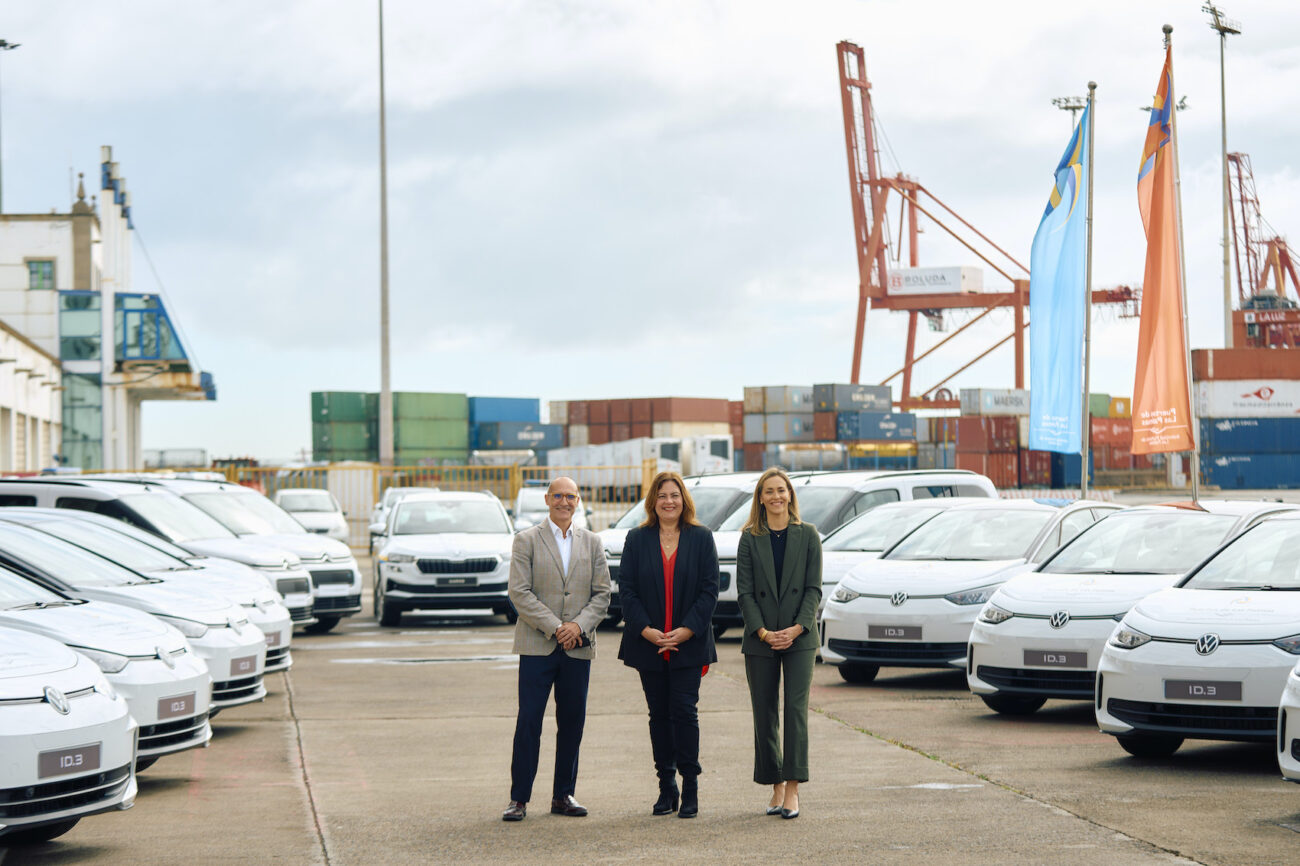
x: 690, y: 797
x: 667, y: 802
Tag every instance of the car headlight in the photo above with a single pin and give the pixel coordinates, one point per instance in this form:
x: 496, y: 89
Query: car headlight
x: 1289, y: 644
x: 992, y: 614
x: 188, y: 627
x: 1126, y: 637
x: 109, y: 663
x: 104, y: 687
x: 844, y: 595
x: 972, y: 596
x: 396, y: 557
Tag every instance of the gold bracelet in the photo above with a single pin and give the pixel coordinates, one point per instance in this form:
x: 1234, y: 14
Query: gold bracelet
x: 762, y: 635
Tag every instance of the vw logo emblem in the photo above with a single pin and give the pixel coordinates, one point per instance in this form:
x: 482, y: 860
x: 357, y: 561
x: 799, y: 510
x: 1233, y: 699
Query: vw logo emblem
x: 166, y: 657
x: 1059, y: 619
x: 898, y: 598
x: 58, y: 700
x: 1207, y: 643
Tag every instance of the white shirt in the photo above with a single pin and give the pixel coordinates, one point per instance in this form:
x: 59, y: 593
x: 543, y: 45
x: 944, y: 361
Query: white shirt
x: 564, y: 541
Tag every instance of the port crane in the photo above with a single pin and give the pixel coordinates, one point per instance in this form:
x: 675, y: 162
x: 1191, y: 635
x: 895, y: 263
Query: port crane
x: 1267, y: 317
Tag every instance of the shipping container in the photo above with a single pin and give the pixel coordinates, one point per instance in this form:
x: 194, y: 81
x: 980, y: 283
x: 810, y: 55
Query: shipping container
x: 738, y: 436
x: 557, y: 412
x: 1112, y: 458
x: 620, y: 412
x: 681, y: 429
x: 691, y: 409
x: 825, y: 426
x: 753, y: 457
x: 1237, y: 364
x: 882, y: 463
x: 344, y: 406
x: 1099, y: 405
x: 1249, y: 398
x: 1250, y: 435
x: 875, y: 426
x: 504, y: 458
x: 641, y: 430
x: 1003, y: 469
x: 598, y: 434
x: 706, y: 455
x: 936, y: 456
x: 175, y: 458
x: 1120, y: 407
x: 789, y: 427
x: 787, y: 399
x: 806, y: 457
x: 881, y: 449
x: 994, y: 401
x: 578, y: 434
x: 367, y: 456
x: 344, y: 436
x: 430, y: 457
x: 754, y: 403
x: 1035, y: 468
x: 514, y: 435
x: 853, y: 398
x: 738, y: 458
x: 988, y: 434
x: 1067, y: 470
x: 1112, y: 431
x: 524, y: 410
x: 736, y: 411
x: 430, y: 433
x: 935, y: 281
x: 640, y: 410
x: 598, y: 411
x: 620, y: 432
x: 1251, y: 471
x: 422, y: 404
x: 755, y: 428
x: 579, y: 412
x: 943, y: 429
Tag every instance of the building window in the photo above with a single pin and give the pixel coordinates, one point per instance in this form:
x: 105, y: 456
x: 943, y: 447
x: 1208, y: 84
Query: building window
x: 144, y: 330
x: 40, y: 273
x: 83, y: 420
x: 80, y: 326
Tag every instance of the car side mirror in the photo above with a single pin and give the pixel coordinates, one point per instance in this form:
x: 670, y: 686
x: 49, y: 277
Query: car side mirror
x: 377, y: 529
x: 589, y: 511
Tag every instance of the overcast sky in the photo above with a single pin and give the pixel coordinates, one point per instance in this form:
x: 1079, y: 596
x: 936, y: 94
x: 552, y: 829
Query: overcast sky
x: 591, y: 198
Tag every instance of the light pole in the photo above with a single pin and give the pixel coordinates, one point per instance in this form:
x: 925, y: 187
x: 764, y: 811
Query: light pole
x: 1225, y: 27
x: 5, y: 45
x: 385, y: 385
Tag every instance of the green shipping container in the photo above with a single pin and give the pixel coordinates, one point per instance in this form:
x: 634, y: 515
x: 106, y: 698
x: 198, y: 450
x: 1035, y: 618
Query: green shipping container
x: 344, y: 406
x: 427, y: 433
x: 341, y: 456
x: 422, y: 456
x: 343, y: 436
x: 416, y: 404
x: 1099, y: 405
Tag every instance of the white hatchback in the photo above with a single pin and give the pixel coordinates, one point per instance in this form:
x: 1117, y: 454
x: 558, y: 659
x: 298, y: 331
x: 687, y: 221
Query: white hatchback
x: 67, y: 740
x: 317, y: 510
x: 1288, y: 728
x: 1209, y: 658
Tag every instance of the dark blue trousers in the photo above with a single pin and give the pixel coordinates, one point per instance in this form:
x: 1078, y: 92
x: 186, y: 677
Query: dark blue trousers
x: 537, y: 674
x: 672, y: 697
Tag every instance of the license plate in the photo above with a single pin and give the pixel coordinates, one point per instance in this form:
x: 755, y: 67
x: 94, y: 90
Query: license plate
x: 173, y: 708
x: 458, y: 581
x: 62, y: 762
x: 273, y: 638
x: 894, y: 632
x: 1056, y: 659
x: 1203, y: 690
x: 241, y: 666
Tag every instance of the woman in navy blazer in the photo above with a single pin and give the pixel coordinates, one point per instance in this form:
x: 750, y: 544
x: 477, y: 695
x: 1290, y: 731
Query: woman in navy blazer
x: 668, y: 584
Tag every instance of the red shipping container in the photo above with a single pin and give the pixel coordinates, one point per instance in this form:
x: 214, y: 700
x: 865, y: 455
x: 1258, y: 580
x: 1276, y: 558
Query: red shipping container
x: 736, y: 412
x: 704, y: 409
x: 620, y: 432
x: 1142, y: 461
x: 641, y: 429
x: 942, y: 430
x: 1208, y: 364
x: 640, y: 410
x: 737, y: 437
x: 598, y: 434
x: 620, y: 412
x: 754, y: 459
x: 1035, y: 468
x: 1003, y: 468
x: 598, y: 412
x: 1112, y: 431
x: 578, y: 412
x: 824, y: 426
x: 988, y: 434
x: 1113, y: 457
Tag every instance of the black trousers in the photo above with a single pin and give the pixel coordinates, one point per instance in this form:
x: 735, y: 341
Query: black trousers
x: 673, y: 696
x: 537, y: 674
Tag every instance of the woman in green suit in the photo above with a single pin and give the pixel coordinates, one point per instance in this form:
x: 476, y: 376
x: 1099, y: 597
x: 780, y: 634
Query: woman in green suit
x: 779, y: 581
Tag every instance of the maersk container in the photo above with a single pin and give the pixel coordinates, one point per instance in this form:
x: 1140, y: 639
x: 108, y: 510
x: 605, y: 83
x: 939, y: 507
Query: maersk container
x: 790, y: 427
x: 421, y: 404
x: 1251, y: 471
x: 755, y: 428
x: 876, y: 426
x: 1250, y: 435
x: 994, y: 401
x: 786, y: 399
x: 523, y: 409
x: 430, y: 433
x: 512, y: 435
x: 852, y: 398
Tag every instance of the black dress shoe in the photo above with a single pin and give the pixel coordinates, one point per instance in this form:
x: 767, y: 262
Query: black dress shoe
x: 515, y: 811
x: 568, y: 806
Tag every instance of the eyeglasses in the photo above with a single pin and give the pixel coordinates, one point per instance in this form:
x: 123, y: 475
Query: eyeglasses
x: 557, y: 498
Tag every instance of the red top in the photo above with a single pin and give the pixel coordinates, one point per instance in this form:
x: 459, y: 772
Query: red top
x: 669, y: 563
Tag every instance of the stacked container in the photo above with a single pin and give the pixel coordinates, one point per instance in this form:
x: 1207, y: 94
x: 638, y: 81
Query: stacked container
x: 988, y: 433
x: 512, y: 424
x: 430, y: 427
x: 343, y: 425
x: 1248, y: 401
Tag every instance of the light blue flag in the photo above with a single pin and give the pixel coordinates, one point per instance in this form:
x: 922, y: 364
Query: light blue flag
x: 1057, y: 279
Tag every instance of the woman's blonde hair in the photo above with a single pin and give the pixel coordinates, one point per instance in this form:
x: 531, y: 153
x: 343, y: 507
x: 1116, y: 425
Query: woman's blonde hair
x: 757, y: 522
x: 652, y: 493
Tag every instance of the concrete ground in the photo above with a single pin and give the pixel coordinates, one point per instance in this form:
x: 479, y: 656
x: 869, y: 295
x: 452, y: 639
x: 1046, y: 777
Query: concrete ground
x: 393, y: 746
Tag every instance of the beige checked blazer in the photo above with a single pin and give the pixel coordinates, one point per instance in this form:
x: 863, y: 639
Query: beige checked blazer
x: 545, y: 598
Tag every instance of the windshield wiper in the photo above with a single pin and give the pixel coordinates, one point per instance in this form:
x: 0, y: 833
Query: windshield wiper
x: 1262, y: 587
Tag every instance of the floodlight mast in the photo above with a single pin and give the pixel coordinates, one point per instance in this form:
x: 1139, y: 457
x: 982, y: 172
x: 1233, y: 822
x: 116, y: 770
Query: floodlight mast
x: 1225, y: 27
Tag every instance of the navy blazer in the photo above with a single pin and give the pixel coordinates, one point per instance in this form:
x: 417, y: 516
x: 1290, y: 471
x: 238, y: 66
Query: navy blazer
x: 695, y: 594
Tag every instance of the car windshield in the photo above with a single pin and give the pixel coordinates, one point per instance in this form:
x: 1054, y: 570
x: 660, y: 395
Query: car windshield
x: 393, y: 494
x: 531, y: 500
x: 307, y: 500
x: 878, y: 528
x: 113, y: 545
x: 1264, y: 557
x: 974, y: 534
x: 815, y: 504
x: 16, y: 591
x: 65, y: 562
x: 633, y: 518
x: 713, y: 504
x: 1143, y: 542
x: 121, y: 527
x: 429, y: 517
x: 175, y: 518
x: 246, y: 513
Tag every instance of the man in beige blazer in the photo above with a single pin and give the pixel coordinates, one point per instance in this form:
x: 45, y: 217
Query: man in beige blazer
x: 559, y: 585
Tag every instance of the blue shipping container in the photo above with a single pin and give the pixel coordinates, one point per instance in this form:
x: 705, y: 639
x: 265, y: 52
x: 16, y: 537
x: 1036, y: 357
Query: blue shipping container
x: 512, y: 435
x: 876, y: 461
x: 875, y: 426
x: 1066, y: 469
x: 1251, y: 471
x: 1250, y: 435
x: 483, y: 410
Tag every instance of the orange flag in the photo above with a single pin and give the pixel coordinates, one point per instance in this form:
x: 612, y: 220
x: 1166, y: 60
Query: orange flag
x: 1162, y: 418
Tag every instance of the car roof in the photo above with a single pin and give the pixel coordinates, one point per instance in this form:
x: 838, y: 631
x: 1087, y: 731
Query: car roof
x: 931, y: 502
x: 103, y: 485
x: 1234, y: 507
x: 453, y: 495
x: 724, y: 479
x: 854, y: 477
x: 1018, y: 504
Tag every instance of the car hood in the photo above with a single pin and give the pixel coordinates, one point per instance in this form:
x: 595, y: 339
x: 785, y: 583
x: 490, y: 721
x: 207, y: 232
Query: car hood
x: 98, y: 625
x: 167, y: 599
x: 1081, y: 594
x: 217, y: 567
x: 925, y: 577
x: 246, y: 550
x: 22, y: 655
x: 837, y: 563
x: 1231, y: 614
x: 235, y: 588
x: 613, y: 540
x: 453, y: 545
x: 317, y: 519
x: 307, y: 545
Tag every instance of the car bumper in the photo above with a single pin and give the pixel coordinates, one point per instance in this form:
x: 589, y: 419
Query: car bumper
x: 925, y: 633
x: 1288, y: 730
x: 237, y: 663
x: 170, y: 704
x: 406, y: 587
x: 727, y: 611
x: 1023, y: 656
x: 1135, y: 691
x: 336, y: 589
x: 276, y: 624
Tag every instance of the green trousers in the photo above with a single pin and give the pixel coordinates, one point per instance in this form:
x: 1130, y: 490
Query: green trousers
x: 772, y: 764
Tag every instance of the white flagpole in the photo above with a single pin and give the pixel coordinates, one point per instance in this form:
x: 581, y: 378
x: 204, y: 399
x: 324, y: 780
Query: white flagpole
x: 1087, y: 307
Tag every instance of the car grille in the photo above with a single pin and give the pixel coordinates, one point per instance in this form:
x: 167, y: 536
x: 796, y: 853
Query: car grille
x: 332, y: 576
x: 430, y: 589
x: 613, y: 572
x: 292, y: 585
x: 300, y: 614
x: 276, y: 656
x: 233, y: 690
x: 31, y: 801
x: 172, y: 733
x: 1295, y: 745
x: 320, y: 531
x: 336, y: 602
x: 902, y: 653
x: 1198, y: 720
x: 724, y: 581
x: 453, y: 566
x: 1074, y: 684
x: 727, y: 610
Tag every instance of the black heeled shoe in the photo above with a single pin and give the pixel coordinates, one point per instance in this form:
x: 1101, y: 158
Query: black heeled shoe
x: 690, y: 798
x: 667, y: 802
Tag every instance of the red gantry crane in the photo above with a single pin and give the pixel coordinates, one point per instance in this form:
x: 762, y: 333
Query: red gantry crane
x: 1266, y: 317
x: 871, y: 192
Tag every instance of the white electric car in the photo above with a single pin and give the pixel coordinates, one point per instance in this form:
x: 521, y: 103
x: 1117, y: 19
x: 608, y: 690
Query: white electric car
x: 67, y: 740
x: 317, y: 510
x: 914, y: 607
x: 1041, y: 635
x: 1288, y: 728
x: 1209, y: 658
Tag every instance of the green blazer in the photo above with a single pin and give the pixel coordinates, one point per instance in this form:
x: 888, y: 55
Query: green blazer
x: 762, y: 604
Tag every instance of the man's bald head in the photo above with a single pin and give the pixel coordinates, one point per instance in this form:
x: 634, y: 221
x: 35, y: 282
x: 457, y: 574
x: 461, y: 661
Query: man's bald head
x: 562, y: 501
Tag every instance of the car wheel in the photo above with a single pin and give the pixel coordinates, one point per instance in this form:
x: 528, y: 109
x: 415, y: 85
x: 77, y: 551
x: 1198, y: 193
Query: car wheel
x: 389, y: 615
x: 859, y: 673
x: 142, y: 764
x: 1013, y: 705
x: 611, y: 620
x: 322, y: 625
x: 1149, y: 745
x: 512, y: 615
x: 44, y: 833
x: 718, y: 631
